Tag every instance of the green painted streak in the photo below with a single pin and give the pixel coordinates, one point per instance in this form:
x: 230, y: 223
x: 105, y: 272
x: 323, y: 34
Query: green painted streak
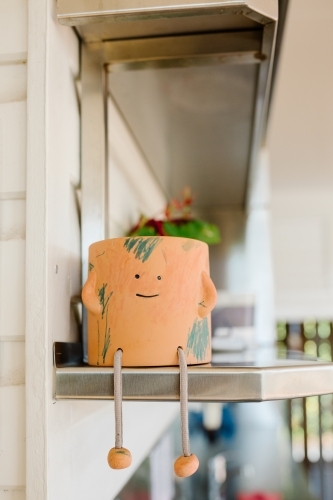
x: 122, y: 453
x: 142, y: 247
x: 198, y: 339
x: 107, y: 342
x: 130, y: 243
x: 104, y: 301
x: 103, y: 298
x: 91, y: 266
x: 107, y: 337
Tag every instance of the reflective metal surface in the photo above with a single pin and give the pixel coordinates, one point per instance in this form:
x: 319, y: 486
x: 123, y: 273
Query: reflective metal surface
x: 194, y: 96
x: 184, y: 50
x: 202, y: 96
x: 99, y: 20
x: 259, y: 376
x: 93, y: 158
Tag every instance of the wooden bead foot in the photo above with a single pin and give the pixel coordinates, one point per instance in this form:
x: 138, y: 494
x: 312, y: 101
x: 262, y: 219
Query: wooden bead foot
x: 186, y: 466
x: 119, y: 458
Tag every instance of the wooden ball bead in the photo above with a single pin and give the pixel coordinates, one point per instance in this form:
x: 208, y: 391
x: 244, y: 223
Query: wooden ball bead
x: 186, y: 466
x: 119, y: 458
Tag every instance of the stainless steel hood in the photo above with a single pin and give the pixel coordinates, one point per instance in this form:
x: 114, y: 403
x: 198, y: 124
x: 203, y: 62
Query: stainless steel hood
x: 191, y: 82
x: 194, y: 120
x: 99, y: 20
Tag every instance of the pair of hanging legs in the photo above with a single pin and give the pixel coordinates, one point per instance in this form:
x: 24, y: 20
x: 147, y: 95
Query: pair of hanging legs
x: 119, y: 457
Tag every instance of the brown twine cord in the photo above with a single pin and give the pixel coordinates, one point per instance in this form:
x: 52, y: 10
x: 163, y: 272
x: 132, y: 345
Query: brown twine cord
x: 184, y: 402
x: 118, y: 396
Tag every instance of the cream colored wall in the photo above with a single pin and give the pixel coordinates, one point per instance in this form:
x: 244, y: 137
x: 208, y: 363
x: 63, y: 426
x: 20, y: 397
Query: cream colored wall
x: 67, y: 441
x: 52, y: 236
x: 300, y: 142
x: 13, y: 92
x: 242, y: 262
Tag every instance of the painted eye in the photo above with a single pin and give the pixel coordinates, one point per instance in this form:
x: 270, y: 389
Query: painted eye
x: 159, y: 277
x: 137, y: 276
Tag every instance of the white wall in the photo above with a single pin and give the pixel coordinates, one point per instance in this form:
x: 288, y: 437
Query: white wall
x: 67, y: 441
x: 300, y: 141
x: 13, y: 91
x: 259, y: 276
x: 132, y: 189
x: 242, y: 262
x: 52, y: 233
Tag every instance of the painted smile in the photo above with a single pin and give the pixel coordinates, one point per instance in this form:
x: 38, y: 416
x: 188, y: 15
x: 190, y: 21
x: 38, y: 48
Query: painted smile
x: 147, y: 296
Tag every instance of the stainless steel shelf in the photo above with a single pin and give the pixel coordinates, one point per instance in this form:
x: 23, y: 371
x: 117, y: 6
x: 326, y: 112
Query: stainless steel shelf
x: 257, y: 376
x: 206, y: 67
x: 100, y: 20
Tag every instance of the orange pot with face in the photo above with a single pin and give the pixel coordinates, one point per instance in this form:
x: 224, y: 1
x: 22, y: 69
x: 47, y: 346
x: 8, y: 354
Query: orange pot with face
x: 148, y: 296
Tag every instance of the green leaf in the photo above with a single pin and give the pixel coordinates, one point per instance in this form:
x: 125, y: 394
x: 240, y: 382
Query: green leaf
x: 144, y: 231
x: 195, y: 229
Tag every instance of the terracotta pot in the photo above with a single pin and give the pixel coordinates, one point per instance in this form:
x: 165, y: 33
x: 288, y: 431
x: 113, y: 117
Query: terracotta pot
x: 148, y: 296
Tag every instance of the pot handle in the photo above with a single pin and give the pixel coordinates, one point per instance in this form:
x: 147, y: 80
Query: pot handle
x: 89, y: 296
x: 208, y: 295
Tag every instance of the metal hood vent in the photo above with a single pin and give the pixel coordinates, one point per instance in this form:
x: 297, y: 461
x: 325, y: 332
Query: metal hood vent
x: 191, y: 82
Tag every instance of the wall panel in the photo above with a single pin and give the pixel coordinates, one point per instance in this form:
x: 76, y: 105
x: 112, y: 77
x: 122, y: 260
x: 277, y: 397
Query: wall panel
x: 13, y: 29
x: 13, y: 130
x: 9, y: 493
x: 12, y: 435
x: 12, y: 288
x: 13, y: 79
x: 12, y: 362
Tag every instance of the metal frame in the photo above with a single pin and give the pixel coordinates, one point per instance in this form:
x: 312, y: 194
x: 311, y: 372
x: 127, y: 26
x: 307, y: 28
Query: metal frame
x: 78, y: 13
x: 185, y: 50
x: 251, y: 47
x: 262, y: 102
x: 206, y: 383
x: 218, y: 48
x: 93, y: 159
x: 221, y: 48
x: 94, y: 154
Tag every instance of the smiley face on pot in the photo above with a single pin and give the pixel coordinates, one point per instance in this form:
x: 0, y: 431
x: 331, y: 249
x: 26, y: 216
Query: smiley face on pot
x: 148, y: 296
x: 137, y: 276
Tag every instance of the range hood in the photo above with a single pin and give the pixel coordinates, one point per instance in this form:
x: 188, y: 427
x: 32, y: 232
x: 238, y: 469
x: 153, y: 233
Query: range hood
x: 195, y: 76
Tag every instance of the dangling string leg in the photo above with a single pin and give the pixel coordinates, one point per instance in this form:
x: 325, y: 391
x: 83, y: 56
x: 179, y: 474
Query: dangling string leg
x: 118, y: 457
x: 187, y: 464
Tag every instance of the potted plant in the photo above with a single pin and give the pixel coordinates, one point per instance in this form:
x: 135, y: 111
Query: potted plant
x: 177, y: 220
x: 148, y: 298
